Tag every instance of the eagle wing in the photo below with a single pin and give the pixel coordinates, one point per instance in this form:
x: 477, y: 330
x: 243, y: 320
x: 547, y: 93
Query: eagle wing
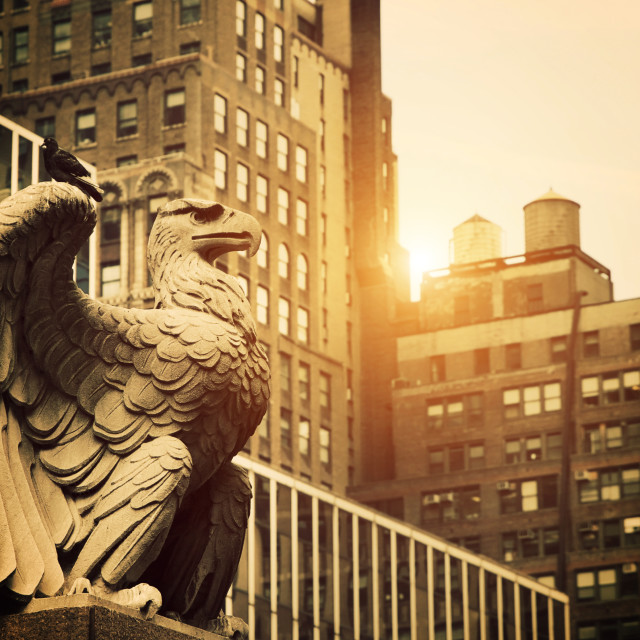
x: 85, y: 384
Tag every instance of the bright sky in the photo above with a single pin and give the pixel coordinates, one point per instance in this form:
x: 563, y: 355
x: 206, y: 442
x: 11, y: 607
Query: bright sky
x: 495, y: 102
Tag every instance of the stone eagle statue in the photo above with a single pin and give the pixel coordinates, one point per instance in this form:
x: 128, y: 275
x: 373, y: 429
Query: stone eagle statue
x: 117, y: 425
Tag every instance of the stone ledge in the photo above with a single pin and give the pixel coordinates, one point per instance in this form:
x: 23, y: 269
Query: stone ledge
x: 85, y: 617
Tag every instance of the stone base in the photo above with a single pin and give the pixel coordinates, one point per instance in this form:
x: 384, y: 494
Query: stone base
x: 85, y: 617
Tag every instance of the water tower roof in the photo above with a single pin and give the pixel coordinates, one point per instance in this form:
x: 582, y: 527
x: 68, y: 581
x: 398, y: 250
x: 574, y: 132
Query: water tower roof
x: 474, y: 218
x: 551, y: 195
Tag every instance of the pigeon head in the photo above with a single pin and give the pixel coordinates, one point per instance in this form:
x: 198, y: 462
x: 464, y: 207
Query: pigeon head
x: 50, y: 144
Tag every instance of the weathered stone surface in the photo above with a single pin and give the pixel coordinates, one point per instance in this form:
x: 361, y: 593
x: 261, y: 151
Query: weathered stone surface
x: 117, y: 425
x: 85, y: 617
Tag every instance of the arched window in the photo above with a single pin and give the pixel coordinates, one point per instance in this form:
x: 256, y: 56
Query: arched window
x: 283, y: 261
x: 303, y: 272
x: 263, y: 252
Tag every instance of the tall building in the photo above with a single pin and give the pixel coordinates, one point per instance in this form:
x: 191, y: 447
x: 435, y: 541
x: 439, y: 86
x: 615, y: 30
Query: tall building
x: 274, y: 107
x: 516, y: 415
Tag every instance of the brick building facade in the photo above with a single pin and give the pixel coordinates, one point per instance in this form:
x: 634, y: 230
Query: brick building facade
x: 516, y: 418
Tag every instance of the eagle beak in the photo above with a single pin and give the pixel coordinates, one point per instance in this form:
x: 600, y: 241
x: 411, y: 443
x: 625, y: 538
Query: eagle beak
x: 231, y: 231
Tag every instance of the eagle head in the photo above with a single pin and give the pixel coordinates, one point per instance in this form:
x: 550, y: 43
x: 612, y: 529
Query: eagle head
x: 210, y: 229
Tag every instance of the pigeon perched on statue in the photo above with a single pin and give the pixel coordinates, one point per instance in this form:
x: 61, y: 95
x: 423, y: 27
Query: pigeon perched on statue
x: 63, y: 166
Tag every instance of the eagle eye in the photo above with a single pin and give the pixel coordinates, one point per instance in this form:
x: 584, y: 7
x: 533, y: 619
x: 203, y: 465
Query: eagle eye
x: 202, y: 216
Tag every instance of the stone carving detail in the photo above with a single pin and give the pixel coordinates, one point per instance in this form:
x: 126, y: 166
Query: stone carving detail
x: 117, y: 426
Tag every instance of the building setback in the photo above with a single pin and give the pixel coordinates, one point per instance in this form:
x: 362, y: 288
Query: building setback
x: 516, y: 415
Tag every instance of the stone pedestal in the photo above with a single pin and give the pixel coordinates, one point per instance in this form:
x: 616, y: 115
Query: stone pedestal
x: 85, y: 617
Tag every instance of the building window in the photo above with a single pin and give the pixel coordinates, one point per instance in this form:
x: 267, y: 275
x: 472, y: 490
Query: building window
x: 559, y: 349
x: 304, y: 437
x: 610, y: 583
x: 513, y: 357
x: 325, y: 392
x: 611, y: 388
x: 301, y: 164
x: 109, y: 279
x: 46, y: 127
x: 324, y: 277
x: 321, y: 88
x: 531, y: 400
x: 262, y: 304
x: 62, y: 36
x: 452, y: 458
x: 85, y: 127
x: 481, y: 361
x: 141, y: 60
x: 610, y: 484
x: 125, y: 161
x: 295, y: 71
x: 302, y: 217
x: 285, y: 428
x: 282, y: 152
x: 127, y: 124
x: 455, y: 411
x: 262, y: 194
x: 262, y: 139
x: 219, y: 113
x: 171, y: 149
x: 242, y: 182
x: 279, y: 92
x: 110, y: 224
x: 241, y: 68
x: 438, y: 368
x: 590, y: 344
x: 96, y: 70
x: 278, y: 43
x: 283, y: 206
x: 528, y: 495
x: 529, y: 543
x: 325, y: 446
x: 530, y: 448
x: 174, y: 107
x: 189, y: 11
x: 260, y: 29
x: 304, y: 382
x: 459, y: 504
x: 608, y: 436
x: 610, y: 534
x: 242, y: 127
x: 189, y: 47
x: 142, y: 19
x: 261, y: 82
x: 534, y: 298
x: 285, y: 373
x: 283, y: 261
x: 303, y: 272
x: 634, y: 336
x: 20, y: 52
x: 284, y: 316
x: 241, y: 19
x: 303, y: 325
x: 220, y: 169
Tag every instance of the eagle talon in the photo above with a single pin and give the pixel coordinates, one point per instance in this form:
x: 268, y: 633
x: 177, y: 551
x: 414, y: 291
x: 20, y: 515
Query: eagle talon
x: 81, y: 585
